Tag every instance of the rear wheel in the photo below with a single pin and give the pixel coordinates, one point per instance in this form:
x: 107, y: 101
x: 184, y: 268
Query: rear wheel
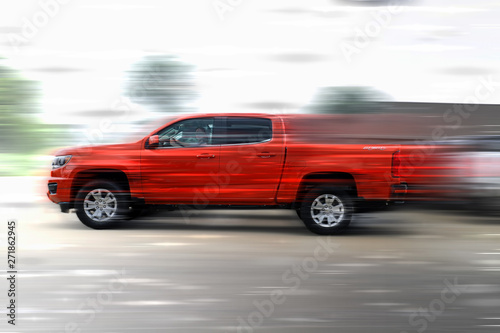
x: 101, y: 204
x: 326, y: 211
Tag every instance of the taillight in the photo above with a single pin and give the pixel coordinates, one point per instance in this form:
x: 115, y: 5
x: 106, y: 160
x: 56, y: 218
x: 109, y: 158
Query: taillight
x: 396, y: 164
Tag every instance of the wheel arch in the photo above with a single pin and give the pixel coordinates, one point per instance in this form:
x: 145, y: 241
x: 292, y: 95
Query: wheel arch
x: 343, y: 180
x: 116, y: 176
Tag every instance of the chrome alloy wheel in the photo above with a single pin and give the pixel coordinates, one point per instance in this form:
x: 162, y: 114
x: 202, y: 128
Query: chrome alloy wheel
x: 100, y: 205
x: 327, y: 210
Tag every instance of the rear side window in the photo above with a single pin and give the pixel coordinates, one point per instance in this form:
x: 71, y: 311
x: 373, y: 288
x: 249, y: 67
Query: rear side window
x: 243, y: 130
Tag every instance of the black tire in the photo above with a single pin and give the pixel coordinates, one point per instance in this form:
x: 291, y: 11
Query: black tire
x: 112, y: 204
x: 339, y: 210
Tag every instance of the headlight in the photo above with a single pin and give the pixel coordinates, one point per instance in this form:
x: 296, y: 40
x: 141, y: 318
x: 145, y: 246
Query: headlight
x: 60, y: 161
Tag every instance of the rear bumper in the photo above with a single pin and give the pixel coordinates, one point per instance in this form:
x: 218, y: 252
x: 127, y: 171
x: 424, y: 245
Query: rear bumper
x: 398, y: 193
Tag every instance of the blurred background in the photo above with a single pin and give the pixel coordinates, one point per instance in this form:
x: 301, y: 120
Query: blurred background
x: 418, y: 72
x: 86, y: 72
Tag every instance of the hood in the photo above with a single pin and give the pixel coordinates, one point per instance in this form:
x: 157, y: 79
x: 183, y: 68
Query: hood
x: 87, y: 150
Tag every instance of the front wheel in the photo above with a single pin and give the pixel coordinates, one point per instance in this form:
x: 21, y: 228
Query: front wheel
x: 101, y: 204
x: 326, y: 211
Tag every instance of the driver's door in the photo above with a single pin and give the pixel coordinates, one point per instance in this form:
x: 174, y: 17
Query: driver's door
x: 172, y: 173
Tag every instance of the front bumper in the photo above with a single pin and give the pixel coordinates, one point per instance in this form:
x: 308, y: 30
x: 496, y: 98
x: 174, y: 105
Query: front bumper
x: 59, y: 190
x: 65, y: 206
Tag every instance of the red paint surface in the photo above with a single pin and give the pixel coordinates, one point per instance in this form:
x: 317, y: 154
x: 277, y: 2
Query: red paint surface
x: 258, y: 173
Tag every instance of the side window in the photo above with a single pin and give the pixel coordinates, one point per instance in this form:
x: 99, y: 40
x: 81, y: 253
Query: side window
x: 244, y: 130
x: 187, y: 133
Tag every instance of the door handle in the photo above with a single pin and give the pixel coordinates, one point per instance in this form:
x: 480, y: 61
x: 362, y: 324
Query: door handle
x: 266, y: 154
x: 206, y: 156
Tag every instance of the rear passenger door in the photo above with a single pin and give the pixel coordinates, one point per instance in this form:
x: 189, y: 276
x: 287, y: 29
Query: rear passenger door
x: 251, y: 159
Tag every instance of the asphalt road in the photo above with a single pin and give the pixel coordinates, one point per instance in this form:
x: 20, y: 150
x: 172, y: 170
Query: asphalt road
x: 410, y: 270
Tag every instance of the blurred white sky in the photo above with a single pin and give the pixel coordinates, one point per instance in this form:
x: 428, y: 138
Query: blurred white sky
x: 263, y: 55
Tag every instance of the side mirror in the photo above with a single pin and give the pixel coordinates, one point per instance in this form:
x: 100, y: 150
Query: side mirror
x: 153, y: 141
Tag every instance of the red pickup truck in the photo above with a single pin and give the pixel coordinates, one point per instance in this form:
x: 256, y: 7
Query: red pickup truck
x: 230, y: 160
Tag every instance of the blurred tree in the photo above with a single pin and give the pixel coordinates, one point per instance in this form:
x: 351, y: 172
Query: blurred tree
x: 165, y: 83
x: 19, y: 125
x: 348, y: 100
